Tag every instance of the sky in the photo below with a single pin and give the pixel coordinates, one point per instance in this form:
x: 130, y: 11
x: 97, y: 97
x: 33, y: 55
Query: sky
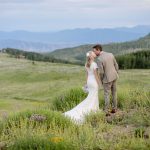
x: 53, y: 15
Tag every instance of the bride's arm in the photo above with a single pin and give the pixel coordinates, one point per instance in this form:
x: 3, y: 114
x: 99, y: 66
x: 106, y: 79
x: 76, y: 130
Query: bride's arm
x: 96, y: 76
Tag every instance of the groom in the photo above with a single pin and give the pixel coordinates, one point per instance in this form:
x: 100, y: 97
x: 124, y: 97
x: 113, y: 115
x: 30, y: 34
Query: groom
x: 108, y: 68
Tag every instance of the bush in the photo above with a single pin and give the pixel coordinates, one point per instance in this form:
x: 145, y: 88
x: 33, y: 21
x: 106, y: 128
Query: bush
x: 139, y: 132
x: 130, y: 99
x: 40, y: 143
x: 69, y: 100
x: 22, y: 122
x: 96, y: 119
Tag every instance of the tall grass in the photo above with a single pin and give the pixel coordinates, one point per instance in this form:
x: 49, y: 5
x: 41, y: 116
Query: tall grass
x: 19, y: 132
x: 40, y: 143
x: 68, y: 100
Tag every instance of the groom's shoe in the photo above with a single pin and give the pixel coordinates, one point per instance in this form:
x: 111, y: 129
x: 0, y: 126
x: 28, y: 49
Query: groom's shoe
x: 114, y: 111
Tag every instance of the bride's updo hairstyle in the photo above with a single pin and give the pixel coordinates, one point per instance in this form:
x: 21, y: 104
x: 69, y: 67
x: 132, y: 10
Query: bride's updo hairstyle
x: 88, y: 59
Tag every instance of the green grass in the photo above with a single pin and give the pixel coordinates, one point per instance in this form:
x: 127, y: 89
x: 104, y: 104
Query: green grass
x: 24, y: 85
x: 49, y: 89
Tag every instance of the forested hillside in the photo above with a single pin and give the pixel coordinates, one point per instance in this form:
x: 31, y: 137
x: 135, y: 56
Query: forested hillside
x: 77, y: 54
x: 136, y: 60
x: 33, y: 56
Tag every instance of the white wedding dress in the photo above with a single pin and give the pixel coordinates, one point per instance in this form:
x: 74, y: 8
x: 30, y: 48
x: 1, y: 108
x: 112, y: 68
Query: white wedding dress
x: 91, y: 103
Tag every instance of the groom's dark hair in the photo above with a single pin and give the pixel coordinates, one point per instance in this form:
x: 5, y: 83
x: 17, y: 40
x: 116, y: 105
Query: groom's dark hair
x: 98, y: 47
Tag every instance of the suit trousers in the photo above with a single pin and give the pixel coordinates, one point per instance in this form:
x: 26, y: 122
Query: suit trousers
x: 110, y: 87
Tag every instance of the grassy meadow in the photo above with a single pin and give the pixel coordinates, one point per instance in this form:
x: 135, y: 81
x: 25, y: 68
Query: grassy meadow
x: 48, y: 89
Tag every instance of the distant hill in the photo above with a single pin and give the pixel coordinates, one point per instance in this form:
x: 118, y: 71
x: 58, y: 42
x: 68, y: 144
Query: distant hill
x: 32, y: 46
x: 49, y: 41
x: 33, y: 56
x: 77, y: 54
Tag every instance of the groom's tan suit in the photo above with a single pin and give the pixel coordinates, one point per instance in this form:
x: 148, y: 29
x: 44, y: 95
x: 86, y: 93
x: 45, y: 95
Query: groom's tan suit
x: 108, y: 69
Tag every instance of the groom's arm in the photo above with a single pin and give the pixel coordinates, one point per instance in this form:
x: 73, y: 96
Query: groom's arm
x: 115, y: 64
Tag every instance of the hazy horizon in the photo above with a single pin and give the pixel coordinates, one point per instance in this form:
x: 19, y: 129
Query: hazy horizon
x: 75, y: 28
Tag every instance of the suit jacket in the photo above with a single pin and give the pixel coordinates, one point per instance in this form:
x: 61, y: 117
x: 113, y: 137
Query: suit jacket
x: 108, y: 67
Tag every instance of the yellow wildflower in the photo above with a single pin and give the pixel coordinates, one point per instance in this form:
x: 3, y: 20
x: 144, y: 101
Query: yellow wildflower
x: 56, y: 139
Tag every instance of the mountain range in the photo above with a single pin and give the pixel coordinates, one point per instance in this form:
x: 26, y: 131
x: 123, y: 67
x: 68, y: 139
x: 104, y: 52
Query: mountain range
x: 50, y: 41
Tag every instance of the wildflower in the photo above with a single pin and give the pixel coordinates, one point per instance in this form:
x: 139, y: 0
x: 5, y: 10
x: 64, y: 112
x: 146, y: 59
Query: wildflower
x: 56, y: 139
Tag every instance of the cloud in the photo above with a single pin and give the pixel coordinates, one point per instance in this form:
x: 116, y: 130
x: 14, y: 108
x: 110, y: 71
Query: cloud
x: 60, y: 14
x: 20, y: 1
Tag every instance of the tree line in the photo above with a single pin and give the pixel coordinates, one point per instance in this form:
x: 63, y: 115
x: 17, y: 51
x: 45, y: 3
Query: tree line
x: 33, y: 56
x: 135, y: 60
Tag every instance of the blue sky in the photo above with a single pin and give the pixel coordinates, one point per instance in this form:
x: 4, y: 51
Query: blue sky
x: 49, y: 15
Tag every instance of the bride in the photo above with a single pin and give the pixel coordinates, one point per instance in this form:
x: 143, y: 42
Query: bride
x: 91, y: 103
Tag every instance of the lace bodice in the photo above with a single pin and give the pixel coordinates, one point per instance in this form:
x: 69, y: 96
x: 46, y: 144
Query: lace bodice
x: 92, y: 68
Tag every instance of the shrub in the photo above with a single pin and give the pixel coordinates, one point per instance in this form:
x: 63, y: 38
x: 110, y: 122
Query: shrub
x: 139, y: 132
x: 96, y: 119
x: 40, y: 143
x: 23, y: 124
x: 69, y: 100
